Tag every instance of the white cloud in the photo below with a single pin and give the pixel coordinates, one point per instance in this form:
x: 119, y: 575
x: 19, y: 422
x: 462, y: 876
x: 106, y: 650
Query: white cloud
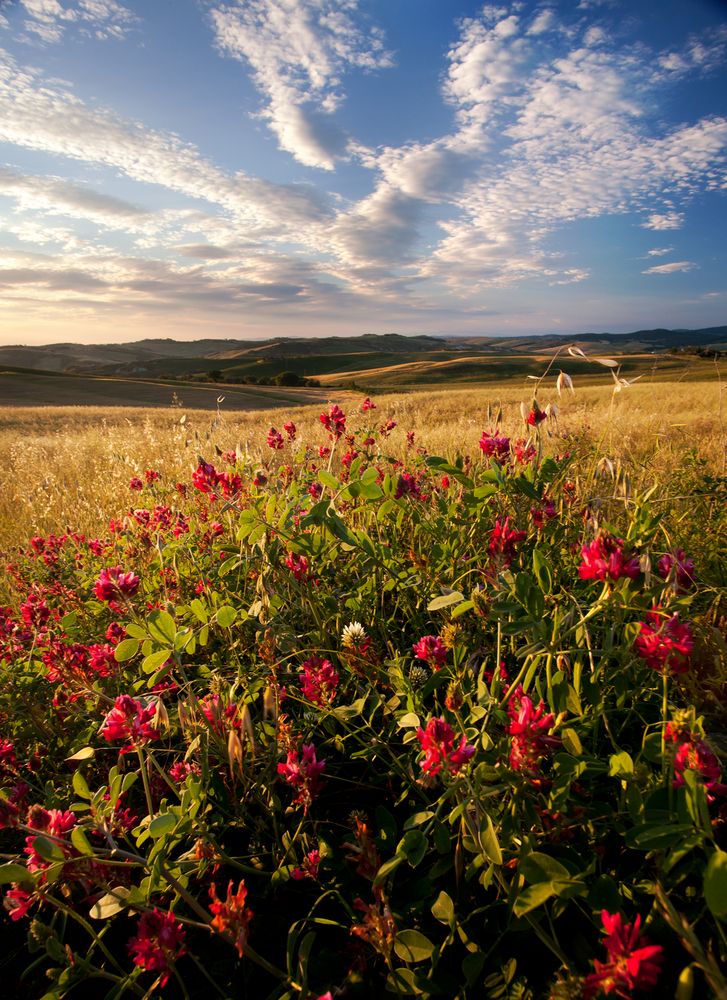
x: 47, y: 20
x: 659, y: 251
x: 35, y: 114
x: 677, y: 265
x: 664, y: 220
x: 57, y: 196
x: 298, y: 51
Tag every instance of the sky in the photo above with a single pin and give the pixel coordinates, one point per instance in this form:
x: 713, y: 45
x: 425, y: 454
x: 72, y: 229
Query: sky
x: 261, y: 168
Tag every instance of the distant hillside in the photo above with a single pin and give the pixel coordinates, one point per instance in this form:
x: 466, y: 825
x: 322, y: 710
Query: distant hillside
x: 328, y: 357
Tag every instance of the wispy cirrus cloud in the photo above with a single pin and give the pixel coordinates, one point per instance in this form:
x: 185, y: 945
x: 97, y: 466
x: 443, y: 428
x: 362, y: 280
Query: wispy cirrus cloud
x: 659, y: 251
x: 298, y: 51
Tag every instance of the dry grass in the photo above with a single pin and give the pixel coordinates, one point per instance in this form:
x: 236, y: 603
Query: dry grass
x: 70, y: 466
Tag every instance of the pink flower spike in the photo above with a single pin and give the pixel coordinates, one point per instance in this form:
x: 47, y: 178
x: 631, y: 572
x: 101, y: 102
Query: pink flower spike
x: 437, y: 742
x: 632, y: 963
x: 129, y: 720
x: 432, y: 650
x: 159, y: 943
x: 114, y: 582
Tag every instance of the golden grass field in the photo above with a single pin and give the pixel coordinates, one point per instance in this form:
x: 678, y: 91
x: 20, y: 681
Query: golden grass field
x: 69, y: 467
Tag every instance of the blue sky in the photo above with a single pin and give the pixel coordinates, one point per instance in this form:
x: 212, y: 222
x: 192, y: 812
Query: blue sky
x: 255, y: 168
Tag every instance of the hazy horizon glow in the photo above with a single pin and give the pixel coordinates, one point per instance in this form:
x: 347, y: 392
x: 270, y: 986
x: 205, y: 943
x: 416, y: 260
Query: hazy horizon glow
x: 262, y: 168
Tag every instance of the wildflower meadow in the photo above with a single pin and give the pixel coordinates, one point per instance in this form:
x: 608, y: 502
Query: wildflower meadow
x: 347, y: 721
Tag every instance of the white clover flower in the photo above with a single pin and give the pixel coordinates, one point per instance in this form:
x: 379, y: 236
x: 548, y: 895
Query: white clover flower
x: 354, y: 634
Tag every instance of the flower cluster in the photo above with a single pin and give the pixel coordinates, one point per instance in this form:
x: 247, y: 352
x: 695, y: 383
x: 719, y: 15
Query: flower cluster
x: 114, y: 582
x: 431, y: 650
x: 334, y: 421
x: 130, y: 720
x: 231, y: 916
x: 158, y: 943
x: 632, y: 962
x: 529, y: 730
x: 440, y: 752
x: 319, y: 681
x: 303, y: 775
x: 664, y: 643
x: 605, y: 559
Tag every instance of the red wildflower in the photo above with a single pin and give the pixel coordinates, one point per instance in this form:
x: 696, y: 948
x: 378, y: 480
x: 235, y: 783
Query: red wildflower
x: 114, y: 582
x: 298, y: 566
x: 304, y: 776
x: 387, y: 427
x: 275, y: 439
x: 432, y: 650
x: 529, y: 727
x: 495, y: 446
x: 205, y: 477
x: 159, y: 943
x: 407, y: 486
x: 377, y: 926
x: 309, y: 868
x: 364, y: 853
x: 545, y: 512
x: 677, y: 568
x: 47, y: 821
x: 17, y: 902
x: 605, y: 559
x: 334, y: 421
x: 290, y: 429
x: 315, y: 489
x: 231, y: 917
x: 9, y: 814
x: 367, y: 405
x: 535, y: 416
x: 319, y: 681
x: 437, y: 742
x: 136, y: 484
x: 152, y: 476
x: 503, y: 541
x: 698, y: 756
x: 130, y: 720
x: 632, y: 963
x: 664, y: 643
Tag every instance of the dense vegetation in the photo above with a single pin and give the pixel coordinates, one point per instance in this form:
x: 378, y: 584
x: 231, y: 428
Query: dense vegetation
x: 355, y: 720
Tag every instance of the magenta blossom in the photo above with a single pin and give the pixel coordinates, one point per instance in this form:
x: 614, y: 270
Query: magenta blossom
x: 275, y: 439
x: 529, y: 728
x: 159, y: 942
x: 503, y: 540
x: 303, y: 775
x: 319, y: 681
x: 664, y: 643
x: 495, y: 446
x: 678, y: 569
x: 605, y: 559
x: 334, y: 421
x: 432, y: 650
x: 114, y: 582
x: 631, y: 964
x: 440, y: 752
x: 130, y: 720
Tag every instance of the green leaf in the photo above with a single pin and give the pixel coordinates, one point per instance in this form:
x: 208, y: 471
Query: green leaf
x: 328, y: 480
x: 409, y: 721
x: 153, y: 661
x: 715, y: 884
x: 538, y: 867
x: 226, y: 616
x: 443, y: 909
x: 571, y: 741
x: 489, y: 841
x: 80, y: 842
x: 162, y: 825
x: 110, y: 904
x: 162, y: 627
x: 48, y: 849
x: 412, y: 946
x: 413, y: 845
x: 388, y: 867
x: 543, y: 571
x: 445, y: 601
x: 14, y: 873
x: 80, y: 786
x: 126, y: 649
x: 620, y: 765
x: 85, y: 753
